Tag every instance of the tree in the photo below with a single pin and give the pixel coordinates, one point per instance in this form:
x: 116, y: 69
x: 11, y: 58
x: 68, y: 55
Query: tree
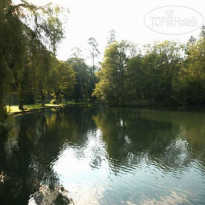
x: 143, y: 79
x: 112, y: 75
x: 112, y: 37
x: 24, y: 28
x: 62, y: 80
x: 82, y: 90
x: 94, y: 52
x: 192, y: 75
x: 47, y: 64
x: 135, y: 78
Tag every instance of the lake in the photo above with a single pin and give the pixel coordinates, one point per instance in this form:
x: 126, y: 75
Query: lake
x: 99, y: 155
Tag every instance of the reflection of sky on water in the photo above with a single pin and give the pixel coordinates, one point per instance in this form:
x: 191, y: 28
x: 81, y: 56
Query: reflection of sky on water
x: 85, y: 167
x: 110, y: 156
x: 93, y: 178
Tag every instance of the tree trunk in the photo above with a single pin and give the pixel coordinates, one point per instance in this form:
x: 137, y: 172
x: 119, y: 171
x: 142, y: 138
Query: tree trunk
x: 82, y: 91
x: 43, y: 100
x: 42, y: 95
x: 21, y: 105
x: 20, y: 96
x: 2, y: 110
x: 2, y: 103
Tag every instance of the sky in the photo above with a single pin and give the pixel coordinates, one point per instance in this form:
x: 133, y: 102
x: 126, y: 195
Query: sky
x: 129, y: 19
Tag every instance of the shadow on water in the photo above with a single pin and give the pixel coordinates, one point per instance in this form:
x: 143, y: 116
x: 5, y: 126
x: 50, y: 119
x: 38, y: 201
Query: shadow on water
x: 162, y: 135
x: 27, y: 149
x: 136, y: 149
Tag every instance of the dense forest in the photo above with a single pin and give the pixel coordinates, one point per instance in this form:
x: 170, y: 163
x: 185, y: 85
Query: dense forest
x: 165, y: 73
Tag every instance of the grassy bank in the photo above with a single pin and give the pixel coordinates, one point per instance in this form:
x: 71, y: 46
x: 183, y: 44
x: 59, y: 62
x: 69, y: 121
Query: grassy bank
x: 14, y: 109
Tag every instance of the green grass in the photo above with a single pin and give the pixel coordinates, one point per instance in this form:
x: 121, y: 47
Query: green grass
x: 38, y: 106
x: 15, y: 108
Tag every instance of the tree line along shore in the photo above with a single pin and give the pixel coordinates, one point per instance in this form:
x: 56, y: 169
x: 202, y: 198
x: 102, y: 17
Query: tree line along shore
x: 162, y: 73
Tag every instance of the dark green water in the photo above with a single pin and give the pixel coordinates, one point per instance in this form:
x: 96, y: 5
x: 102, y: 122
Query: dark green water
x: 104, y: 156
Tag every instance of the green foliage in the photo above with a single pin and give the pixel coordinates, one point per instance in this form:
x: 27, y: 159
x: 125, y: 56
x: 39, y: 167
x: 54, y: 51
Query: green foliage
x: 28, y: 38
x: 111, y: 87
x: 167, y: 73
x: 85, y: 80
x: 62, y: 81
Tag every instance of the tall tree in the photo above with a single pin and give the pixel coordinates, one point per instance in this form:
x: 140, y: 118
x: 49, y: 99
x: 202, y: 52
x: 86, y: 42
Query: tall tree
x: 94, y: 52
x: 112, y: 75
x: 83, y: 76
x: 112, y: 37
x: 23, y: 27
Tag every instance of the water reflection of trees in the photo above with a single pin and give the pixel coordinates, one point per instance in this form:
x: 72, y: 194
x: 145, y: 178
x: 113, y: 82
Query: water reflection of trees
x: 27, y: 150
x: 30, y: 145
x: 168, y: 140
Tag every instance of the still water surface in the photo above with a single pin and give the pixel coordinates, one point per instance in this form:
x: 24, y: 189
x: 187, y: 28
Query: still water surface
x: 97, y: 155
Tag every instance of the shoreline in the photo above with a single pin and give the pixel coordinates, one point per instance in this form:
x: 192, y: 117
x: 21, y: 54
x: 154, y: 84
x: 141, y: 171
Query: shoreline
x: 46, y: 107
x: 34, y: 110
